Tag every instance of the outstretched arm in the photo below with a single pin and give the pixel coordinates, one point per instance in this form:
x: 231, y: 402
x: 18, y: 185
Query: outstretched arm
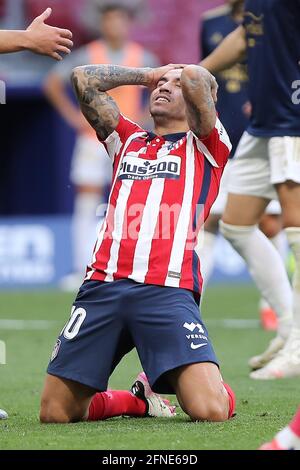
x: 91, y: 83
x: 231, y: 51
x: 39, y: 38
x: 199, y: 89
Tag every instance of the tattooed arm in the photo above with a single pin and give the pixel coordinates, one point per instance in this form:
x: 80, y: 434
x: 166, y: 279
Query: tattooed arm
x: 199, y: 89
x: 91, y: 83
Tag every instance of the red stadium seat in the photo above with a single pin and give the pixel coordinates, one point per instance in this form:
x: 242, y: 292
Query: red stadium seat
x: 173, y: 30
x: 2, y: 8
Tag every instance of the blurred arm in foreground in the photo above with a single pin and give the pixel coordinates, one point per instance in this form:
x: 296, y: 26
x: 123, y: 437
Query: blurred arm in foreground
x: 39, y: 38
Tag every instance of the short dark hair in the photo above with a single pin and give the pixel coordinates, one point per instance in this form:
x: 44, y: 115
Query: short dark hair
x: 117, y: 6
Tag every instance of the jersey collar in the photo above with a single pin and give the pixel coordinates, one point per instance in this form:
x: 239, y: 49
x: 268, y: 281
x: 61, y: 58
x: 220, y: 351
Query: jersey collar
x: 168, y: 137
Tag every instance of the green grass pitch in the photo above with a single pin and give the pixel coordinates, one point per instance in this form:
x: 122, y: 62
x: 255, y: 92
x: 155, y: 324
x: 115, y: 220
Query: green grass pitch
x: 262, y: 407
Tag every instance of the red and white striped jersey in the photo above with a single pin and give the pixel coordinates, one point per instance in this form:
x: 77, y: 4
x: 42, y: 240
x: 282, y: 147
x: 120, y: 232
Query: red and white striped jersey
x: 162, y: 191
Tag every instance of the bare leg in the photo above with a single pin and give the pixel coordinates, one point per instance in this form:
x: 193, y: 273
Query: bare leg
x: 200, y: 391
x: 271, y: 224
x: 64, y: 401
x: 244, y: 210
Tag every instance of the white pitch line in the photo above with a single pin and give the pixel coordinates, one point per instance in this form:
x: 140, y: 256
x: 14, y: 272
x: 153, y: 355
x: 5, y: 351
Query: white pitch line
x: 27, y: 324
x: 234, y: 323
x: 228, y: 323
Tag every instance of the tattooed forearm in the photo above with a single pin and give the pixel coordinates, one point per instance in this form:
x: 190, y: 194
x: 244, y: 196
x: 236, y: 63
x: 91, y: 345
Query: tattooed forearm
x: 106, y: 77
x: 195, y: 119
x: 199, y: 90
x: 102, y: 113
x: 91, y: 83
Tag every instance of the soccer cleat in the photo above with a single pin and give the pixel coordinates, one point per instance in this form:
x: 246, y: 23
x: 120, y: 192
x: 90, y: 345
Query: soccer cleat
x: 285, y: 364
x: 3, y: 414
x: 156, y: 406
x: 268, y: 319
x: 257, y: 362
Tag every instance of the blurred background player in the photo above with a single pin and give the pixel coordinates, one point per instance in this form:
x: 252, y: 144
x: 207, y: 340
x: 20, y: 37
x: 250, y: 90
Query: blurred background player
x: 288, y: 438
x: 91, y: 168
x: 38, y: 38
x: 232, y: 92
x: 234, y: 109
x: 267, y: 166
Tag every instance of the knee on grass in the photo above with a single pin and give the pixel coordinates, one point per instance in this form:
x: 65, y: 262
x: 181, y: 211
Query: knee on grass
x: 211, y: 409
x: 53, y: 412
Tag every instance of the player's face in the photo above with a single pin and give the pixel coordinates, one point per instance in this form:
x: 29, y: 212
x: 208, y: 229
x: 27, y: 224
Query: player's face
x: 115, y: 25
x: 167, y: 99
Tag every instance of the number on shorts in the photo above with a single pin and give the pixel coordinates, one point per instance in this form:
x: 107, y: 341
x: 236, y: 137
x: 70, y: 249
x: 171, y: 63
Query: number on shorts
x: 73, y: 326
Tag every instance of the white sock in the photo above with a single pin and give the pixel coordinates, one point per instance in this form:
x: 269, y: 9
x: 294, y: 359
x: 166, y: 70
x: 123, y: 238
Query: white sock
x: 280, y: 243
x: 293, y: 236
x: 266, y: 267
x: 206, y: 253
x: 84, y: 225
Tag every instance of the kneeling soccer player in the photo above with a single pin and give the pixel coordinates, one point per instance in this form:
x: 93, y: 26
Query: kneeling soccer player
x: 143, y: 286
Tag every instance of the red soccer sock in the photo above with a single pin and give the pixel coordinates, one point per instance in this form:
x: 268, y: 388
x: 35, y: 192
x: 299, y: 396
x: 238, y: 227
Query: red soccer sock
x: 231, y: 397
x: 115, y: 403
x: 295, y: 423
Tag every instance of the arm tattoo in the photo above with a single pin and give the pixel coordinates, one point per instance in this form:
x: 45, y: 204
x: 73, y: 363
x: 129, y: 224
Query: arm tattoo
x: 201, y: 111
x: 102, y: 113
x: 92, y: 82
x: 207, y: 96
x: 107, y: 77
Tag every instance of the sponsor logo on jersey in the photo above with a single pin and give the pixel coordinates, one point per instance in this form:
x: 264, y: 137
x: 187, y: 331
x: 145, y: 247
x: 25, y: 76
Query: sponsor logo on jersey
x: 197, y: 332
x: 133, y: 168
x: 197, y: 346
x: 195, y: 336
x: 192, y: 326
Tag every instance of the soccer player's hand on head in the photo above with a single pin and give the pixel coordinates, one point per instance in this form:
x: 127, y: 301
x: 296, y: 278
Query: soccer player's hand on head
x: 156, y: 73
x: 48, y: 40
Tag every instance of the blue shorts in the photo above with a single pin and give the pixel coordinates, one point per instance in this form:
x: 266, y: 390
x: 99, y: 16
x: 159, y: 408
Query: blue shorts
x: 109, y: 319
